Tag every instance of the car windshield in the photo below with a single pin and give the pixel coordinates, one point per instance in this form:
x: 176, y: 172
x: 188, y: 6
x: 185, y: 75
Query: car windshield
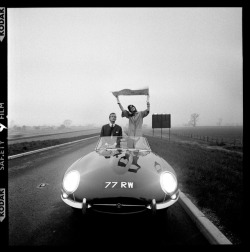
x: 127, y: 143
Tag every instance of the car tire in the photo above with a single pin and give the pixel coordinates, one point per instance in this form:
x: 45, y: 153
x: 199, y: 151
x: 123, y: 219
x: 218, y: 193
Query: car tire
x: 162, y: 214
x: 76, y: 211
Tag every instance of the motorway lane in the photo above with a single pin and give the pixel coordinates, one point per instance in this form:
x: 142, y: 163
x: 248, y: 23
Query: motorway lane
x: 30, y: 138
x: 38, y: 216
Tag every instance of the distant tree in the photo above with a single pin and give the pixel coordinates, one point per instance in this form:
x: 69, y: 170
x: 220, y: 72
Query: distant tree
x: 67, y: 123
x: 193, y: 119
x: 18, y: 128
x: 219, y: 121
x: 24, y: 127
x: 62, y: 126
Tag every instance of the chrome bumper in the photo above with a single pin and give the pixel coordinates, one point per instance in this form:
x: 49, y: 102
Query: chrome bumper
x: 73, y: 203
x: 164, y: 204
x: 158, y: 205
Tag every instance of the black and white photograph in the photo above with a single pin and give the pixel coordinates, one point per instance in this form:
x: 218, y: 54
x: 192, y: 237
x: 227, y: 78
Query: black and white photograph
x: 122, y: 126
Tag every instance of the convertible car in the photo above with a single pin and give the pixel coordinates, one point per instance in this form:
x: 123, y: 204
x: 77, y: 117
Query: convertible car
x: 122, y: 175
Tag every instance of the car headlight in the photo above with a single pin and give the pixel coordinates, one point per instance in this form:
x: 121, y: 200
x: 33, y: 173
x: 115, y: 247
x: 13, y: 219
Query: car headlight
x: 168, y: 182
x: 71, y: 181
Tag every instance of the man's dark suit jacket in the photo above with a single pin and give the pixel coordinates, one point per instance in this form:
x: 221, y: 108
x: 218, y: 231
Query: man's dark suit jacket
x: 106, y: 130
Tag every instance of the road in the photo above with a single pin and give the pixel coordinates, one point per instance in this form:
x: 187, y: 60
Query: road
x: 38, y: 216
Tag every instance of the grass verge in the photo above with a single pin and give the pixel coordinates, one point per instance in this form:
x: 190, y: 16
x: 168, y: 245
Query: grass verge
x: 211, y: 177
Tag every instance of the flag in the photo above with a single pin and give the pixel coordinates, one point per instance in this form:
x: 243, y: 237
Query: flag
x: 143, y: 91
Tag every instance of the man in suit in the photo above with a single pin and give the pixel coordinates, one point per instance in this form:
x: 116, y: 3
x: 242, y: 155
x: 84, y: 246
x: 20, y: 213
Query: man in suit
x: 111, y: 129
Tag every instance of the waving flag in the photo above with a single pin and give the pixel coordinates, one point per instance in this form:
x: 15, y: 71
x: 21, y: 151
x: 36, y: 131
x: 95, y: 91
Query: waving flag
x: 143, y: 91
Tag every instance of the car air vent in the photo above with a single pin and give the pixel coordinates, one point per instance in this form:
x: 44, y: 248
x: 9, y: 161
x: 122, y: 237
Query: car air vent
x: 119, y: 205
x: 122, y: 200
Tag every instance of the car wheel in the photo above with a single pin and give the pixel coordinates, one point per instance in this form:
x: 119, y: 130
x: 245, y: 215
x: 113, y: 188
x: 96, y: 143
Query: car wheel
x: 76, y: 211
x: 162, y: 214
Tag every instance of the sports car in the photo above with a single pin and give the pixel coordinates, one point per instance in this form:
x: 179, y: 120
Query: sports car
x: 122, y: 175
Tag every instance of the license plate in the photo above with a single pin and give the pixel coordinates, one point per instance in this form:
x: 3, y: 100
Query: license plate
x: 121, y: 184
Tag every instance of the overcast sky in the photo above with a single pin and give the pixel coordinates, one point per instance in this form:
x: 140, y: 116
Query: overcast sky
x: 63, y: 63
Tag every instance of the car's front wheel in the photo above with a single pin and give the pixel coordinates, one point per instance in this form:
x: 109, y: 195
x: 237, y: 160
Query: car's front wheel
x: 76, y: 211
x: 162, y: 214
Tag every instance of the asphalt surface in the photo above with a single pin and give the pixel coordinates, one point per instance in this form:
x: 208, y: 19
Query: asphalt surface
x: 38, y: 216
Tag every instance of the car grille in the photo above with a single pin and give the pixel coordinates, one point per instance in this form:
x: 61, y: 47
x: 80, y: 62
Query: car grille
x: 119, y: 205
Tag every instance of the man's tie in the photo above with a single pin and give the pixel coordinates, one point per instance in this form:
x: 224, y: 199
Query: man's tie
x: 111, y: 131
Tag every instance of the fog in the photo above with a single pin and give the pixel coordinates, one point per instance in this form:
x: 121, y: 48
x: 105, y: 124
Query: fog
x: 64, y: 63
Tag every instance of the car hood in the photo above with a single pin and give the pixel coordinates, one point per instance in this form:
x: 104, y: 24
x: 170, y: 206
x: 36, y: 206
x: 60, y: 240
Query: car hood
x: 116, y: 173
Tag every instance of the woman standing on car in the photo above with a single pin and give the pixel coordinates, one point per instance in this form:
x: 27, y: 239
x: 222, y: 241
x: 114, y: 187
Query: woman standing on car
x: 135, y: 118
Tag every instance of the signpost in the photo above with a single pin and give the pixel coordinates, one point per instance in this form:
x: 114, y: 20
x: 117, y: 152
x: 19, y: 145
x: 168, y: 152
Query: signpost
x: 161, y: 121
